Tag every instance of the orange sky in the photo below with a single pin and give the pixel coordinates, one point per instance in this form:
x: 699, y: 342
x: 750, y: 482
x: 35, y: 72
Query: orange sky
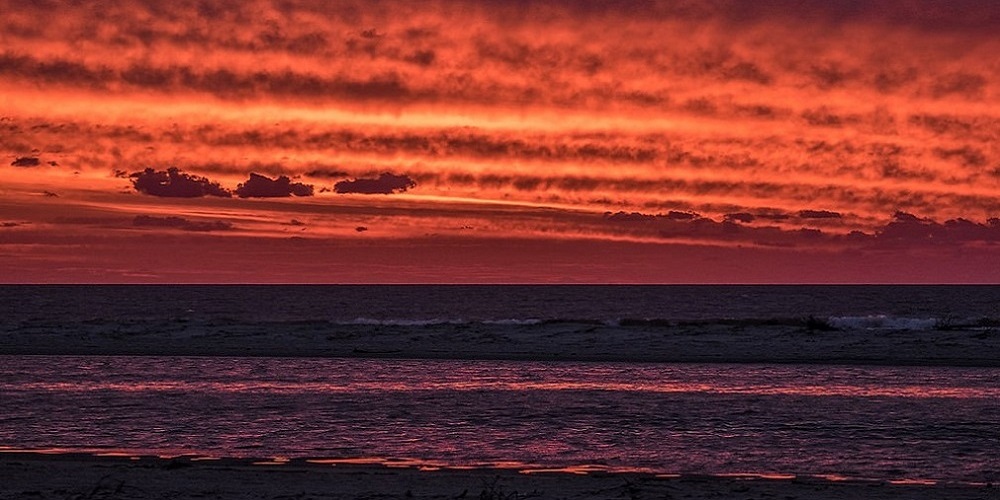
x: 504, y: 141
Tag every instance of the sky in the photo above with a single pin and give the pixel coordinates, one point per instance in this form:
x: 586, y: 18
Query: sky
x: 475, y: 141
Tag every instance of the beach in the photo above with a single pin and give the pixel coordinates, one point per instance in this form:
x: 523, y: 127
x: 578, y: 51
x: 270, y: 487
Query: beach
x: 498, y: 393
x: 76, y: 476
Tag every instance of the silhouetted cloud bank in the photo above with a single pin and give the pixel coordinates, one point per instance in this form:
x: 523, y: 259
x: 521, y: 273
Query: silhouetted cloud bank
x: 903, y: 229
x: 819, y: 214
x: 172, y: 183
x: 26, y: 161
x: 385, y: 183
x: 910, y: 229
x: 259, y: 186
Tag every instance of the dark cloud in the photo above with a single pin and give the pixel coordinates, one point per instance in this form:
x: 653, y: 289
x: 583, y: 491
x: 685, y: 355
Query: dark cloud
x: 823, y: 117
x: 745, y: 71
x: 326, y: 173
x: 259, y: 186
x: 451, y: 143
x: 906, y: 228
x: 819, y: 214
x: 363, y: 16
x: 407, y: 62
x: 744, y: 217
x: 55, y: 71
x: 676, y: 215
x: 386, y: 183
x: 701, y: 106
x: 239, y: 167
x: 410, y: 50
x: 962, y: 127
x: 180, y: 223
x: 943, y: 124
x: 173, y: 183
x: 26, y: 161
x: 969, y: 156
x: 931, y: 15
x: 275, y: 37
x: 526, y: 183
x: 832, y: 194
x: 421, y: 57
x: 699, y: 228
x: 223, y: 83
x: 9, y: 224
x: 629, y: 217
x: 965, y: 84
x: 829, y: 75
x: 669, y: 218
x: 761, y: 111
x: 888, y: 80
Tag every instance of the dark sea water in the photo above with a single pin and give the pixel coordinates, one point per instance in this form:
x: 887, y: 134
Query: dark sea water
x: 874, y: 422
x: 429, y: 303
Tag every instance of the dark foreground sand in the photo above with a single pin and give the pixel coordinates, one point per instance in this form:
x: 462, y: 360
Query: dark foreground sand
x: 78, y: 477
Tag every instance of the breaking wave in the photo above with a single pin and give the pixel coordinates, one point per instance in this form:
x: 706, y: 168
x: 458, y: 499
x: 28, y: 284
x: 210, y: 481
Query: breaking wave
x: 403, y: 322
x: 865, y: 322
x: 883, y: 322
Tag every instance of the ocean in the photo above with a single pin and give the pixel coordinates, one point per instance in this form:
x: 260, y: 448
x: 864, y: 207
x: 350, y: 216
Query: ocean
x: 895, y: 422
x: 412, y: 304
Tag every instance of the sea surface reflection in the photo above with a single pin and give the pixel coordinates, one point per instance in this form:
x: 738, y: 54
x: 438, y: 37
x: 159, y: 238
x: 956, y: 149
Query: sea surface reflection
x: 887, y: 423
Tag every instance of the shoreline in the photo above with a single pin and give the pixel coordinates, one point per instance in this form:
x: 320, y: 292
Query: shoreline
x: 80, y: 475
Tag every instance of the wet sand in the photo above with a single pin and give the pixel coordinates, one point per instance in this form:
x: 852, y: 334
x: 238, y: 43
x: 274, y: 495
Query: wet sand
x: 78, y: 476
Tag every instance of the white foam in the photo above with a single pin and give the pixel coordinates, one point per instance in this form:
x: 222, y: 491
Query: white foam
x: 513, y: 322
x: 440, y: 321
x: 404, y: 322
